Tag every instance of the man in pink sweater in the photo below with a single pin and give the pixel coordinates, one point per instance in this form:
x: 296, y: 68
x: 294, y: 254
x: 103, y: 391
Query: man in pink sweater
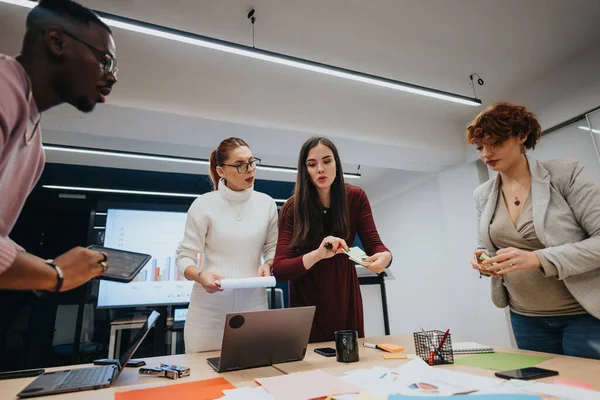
x: 68, y: 56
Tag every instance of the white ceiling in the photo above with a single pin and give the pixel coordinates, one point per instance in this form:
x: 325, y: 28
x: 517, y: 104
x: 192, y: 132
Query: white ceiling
x: 178, y: 99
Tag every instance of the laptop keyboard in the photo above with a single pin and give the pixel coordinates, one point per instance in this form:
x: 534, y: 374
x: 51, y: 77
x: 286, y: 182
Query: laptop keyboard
x: 87, y: 377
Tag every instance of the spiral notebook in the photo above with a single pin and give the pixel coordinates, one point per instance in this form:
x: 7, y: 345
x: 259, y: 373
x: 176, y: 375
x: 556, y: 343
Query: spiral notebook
x: 471, y: 348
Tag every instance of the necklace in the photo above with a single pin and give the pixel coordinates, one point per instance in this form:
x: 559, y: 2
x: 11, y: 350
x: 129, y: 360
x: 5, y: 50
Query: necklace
x: 26, y: 139
x: 517, y: 202
x: 238, y: 213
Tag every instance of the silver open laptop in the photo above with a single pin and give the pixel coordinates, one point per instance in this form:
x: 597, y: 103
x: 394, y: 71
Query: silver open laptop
x: 96, y: 377
x: 261, y: 338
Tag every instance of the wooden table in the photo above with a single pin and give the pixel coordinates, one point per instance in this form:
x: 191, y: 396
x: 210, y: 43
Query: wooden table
x: 575, y: 368
x: 580, y: 369
x: 130, y: 378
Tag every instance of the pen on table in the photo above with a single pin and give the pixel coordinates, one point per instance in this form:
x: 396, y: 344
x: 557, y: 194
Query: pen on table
x: 432, y: 347
x: 443, y: 339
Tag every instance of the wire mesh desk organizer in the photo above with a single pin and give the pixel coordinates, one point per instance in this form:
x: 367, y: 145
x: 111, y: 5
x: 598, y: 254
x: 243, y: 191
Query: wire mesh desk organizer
x: 434, y: 347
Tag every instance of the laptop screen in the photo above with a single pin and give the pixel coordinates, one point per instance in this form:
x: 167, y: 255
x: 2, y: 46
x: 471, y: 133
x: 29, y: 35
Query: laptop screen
x: 139, y: 338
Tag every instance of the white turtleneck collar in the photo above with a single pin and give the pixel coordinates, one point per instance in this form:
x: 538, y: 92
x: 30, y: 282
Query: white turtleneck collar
x: 234, y: 196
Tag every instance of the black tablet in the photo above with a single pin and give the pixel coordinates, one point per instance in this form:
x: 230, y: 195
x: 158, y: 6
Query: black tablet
x: 123, y: 265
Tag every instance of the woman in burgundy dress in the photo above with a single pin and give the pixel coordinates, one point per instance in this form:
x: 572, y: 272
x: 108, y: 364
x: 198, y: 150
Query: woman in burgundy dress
x: 325, y: 211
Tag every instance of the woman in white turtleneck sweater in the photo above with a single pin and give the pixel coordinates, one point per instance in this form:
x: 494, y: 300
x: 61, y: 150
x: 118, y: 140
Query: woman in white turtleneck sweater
x: 232, y: 227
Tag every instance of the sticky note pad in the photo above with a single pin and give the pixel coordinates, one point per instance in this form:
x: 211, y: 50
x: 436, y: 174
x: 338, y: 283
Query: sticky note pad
x: 389, y: 347
x: 394, y: 356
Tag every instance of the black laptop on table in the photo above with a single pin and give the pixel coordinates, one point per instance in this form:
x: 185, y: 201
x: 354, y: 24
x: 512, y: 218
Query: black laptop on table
x: 262, y: 338
x: 96, y: 377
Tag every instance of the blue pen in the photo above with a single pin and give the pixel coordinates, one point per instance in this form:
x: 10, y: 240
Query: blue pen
x: 432, y: 346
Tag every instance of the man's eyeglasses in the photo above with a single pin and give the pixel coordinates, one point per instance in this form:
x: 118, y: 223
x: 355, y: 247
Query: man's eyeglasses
x: 109, y: 65
x: 242, y: 168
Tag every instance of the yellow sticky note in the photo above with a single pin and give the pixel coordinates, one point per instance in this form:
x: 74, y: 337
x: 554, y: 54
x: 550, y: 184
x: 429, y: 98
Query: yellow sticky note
x: 394, y: 356
x: 392, y: 348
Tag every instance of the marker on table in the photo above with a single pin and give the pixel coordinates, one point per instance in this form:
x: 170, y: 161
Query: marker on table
x: 432, y: 347
x: 443, y: 339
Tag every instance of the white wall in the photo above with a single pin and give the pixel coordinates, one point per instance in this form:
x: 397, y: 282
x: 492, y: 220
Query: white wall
x: 571, y: 143
x: 430, y: 229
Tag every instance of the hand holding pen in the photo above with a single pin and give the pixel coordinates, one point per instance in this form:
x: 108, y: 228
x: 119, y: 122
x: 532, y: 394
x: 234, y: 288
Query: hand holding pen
x: 330, y: 246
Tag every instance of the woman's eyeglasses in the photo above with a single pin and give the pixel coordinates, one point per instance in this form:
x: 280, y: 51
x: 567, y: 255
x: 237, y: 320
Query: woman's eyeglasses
x: 243, y: 168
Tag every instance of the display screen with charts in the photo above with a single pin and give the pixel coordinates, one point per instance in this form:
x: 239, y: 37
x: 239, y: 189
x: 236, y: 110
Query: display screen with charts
x: 151, y: 232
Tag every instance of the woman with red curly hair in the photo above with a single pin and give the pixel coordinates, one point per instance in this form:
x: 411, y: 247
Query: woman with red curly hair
x: 540, y: 223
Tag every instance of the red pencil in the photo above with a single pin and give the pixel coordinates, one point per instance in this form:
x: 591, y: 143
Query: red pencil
x: 443, y: 340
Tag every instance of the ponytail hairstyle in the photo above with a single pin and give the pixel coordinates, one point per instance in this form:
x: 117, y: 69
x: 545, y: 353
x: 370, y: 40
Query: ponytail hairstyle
x: 220, y: 156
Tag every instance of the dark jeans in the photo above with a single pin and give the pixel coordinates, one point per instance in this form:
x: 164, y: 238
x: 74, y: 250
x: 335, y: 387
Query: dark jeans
x: 573, y: 335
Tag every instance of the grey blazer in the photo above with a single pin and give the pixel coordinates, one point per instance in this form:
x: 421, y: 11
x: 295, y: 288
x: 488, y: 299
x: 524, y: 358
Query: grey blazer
x: 566, y: 218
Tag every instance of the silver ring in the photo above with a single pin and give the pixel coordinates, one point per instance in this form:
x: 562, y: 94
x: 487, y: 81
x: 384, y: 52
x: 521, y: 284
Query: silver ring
x: 104, y: 266
x: 510, y: 264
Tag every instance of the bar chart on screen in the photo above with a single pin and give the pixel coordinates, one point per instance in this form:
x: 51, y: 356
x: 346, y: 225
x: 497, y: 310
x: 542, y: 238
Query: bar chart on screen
x: 152, y: 232
x: 160, y: 271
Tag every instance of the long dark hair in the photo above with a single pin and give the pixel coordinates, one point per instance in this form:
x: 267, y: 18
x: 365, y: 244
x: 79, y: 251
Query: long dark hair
x: 218, y: 157
x: 308, y: 210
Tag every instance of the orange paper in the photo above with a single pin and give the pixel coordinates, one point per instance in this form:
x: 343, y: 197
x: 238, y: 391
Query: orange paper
x: 199, y: 390
x: 392, y: 348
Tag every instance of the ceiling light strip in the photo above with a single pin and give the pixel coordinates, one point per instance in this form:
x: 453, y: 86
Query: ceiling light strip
x: 154, y: 157
x: 585, y: 128
x: 124, y: 191
x: 278, y: 58
x: 160, y: 31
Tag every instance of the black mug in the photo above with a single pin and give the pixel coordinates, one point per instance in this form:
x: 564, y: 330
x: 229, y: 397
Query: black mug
x: 346, y: 345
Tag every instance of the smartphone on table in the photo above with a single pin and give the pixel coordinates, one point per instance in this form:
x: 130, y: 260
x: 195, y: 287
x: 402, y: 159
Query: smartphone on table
x: 326, y: 351
x: 527, y: 373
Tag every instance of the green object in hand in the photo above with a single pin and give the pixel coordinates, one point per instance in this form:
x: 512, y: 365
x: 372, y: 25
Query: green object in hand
x: 484, y: 257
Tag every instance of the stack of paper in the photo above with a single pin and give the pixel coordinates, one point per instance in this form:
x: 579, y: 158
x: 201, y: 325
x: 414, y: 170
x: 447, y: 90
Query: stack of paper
x: 416, y: 378
x: 306, y: 385
x: 246, y: 393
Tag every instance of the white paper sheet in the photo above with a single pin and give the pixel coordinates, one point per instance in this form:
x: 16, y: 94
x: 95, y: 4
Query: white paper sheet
x: 247, y: 283
x: 246, y: 393
x: 406, y: 380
